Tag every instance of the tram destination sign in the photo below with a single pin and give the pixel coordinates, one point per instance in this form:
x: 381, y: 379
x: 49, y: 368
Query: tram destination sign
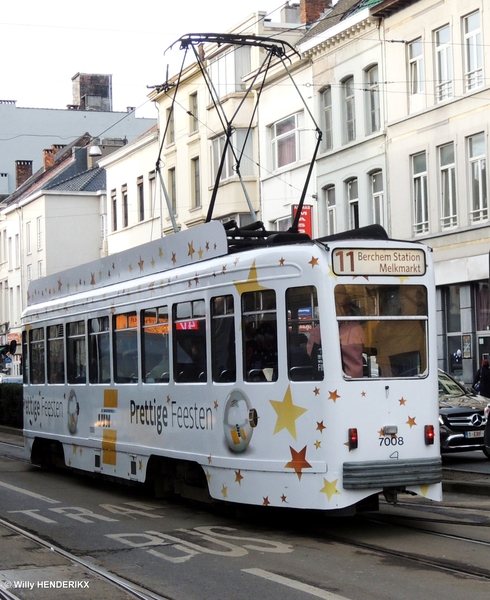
x: 401, y: 262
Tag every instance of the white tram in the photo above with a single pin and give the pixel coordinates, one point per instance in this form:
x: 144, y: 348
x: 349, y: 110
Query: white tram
x: 289, y: 373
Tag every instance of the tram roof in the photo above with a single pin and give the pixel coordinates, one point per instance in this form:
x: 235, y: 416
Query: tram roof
x: 191, y: 246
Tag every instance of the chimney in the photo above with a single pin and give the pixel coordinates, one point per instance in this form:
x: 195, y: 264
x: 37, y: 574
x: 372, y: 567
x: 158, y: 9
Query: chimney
x: 23, y: 170
x: 48, y: 156
x: 310, y: 10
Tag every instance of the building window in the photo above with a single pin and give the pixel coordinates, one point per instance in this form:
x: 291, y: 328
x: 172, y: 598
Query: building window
x: 170, y: 126
x: 444, y: 66
x: 152, y: 191
x: 478, y: 175
x: 29, y: 274
x: 172, y: 190
x: 353, y: 203
x: 114, y: 209
x: 373, y: 100
x: 141, y: 198
x: 473, y: 58
x: 195, y: 183
x: 39, y: 225
x: 327, y: 118
x: 193, y: 113
x: 331, y: 210
x: 377, y: 198
x: 285, y: 141
x: 447, y: 168
x: 349, y: 110
x: 283, y: 224
x: 240, y: 148
x: 453, y: 328
x: 416, y: 63
x: 40, y: 269
x: 229, y: 69
x: 420, y: 199
x: 28, y: 238
x: 125, y: 208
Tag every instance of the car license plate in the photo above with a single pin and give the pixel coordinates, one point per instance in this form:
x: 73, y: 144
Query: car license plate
x: 473, y: 434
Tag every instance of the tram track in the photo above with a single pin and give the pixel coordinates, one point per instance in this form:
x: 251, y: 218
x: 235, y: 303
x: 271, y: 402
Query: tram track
x: 130, y: 590
x: 441, y: 563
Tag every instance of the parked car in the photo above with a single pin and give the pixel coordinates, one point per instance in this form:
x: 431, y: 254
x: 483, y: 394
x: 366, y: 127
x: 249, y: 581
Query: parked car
x: 462, y: 417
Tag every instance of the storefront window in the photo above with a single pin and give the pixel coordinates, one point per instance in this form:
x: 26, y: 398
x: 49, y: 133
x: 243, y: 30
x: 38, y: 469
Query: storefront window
x: 482, y: 306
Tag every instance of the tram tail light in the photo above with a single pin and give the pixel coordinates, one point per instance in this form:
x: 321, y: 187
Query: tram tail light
x: 429, y: 435
x: 353, y: 438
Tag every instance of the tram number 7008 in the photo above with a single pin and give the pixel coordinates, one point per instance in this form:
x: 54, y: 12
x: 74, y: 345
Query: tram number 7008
x: 391, y: 441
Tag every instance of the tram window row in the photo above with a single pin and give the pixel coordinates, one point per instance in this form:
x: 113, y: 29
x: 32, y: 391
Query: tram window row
x: 170, y: 342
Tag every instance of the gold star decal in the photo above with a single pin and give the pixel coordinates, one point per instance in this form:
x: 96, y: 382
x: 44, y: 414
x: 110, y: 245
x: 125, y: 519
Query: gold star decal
x: 92, y: 278
x: 174, y: 258
x: 424, y: 489
x: 266, y: 501
x: 282, y: 261
x: 141, y: 262
x: 411, y: 421
x: 318, y: 444
x: 320, y: 426
x: 191, y: 251
x: 313, y: 262
x: 333, y: 395
x: 200, y: 252
x: 160, y: 252
x: 216, y: 405
x: 363, y: 394
x: 316, y: 391
x: 331, y: 272
x: 287, y: 413
x: 152, y: 262
x: 329, y: 488
x: 238, y: 477
x: 130, y: 268
x: 251, y: 284
x: 75, y: 447
x: 168, y: 399
x: 402, y: 401
x: 224, y: 491
x: 60, y: 285
x: 298, y: 462
x: 284, y: 498
x: 381, y: 432
x: 210, y: 459
x: 208, y: 476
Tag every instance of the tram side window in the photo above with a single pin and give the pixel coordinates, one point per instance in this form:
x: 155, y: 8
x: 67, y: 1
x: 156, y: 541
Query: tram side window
x: 259, y: 328
x: 75, y: 352
x: 382, y: 330
x: 37, y: 355
x: 189, y: 341
x: 56, y: 354
x: 99, y: 350
x: 305, y: 359
x: 223, y: 339
x: 155, y: 345
x: 125, y: 347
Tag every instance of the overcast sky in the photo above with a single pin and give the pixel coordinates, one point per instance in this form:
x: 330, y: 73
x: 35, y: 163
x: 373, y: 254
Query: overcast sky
x: 44, y: 44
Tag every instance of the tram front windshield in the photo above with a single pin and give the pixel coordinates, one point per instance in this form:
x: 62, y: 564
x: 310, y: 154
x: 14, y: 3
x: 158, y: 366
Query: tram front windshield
x: 382, y: 330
